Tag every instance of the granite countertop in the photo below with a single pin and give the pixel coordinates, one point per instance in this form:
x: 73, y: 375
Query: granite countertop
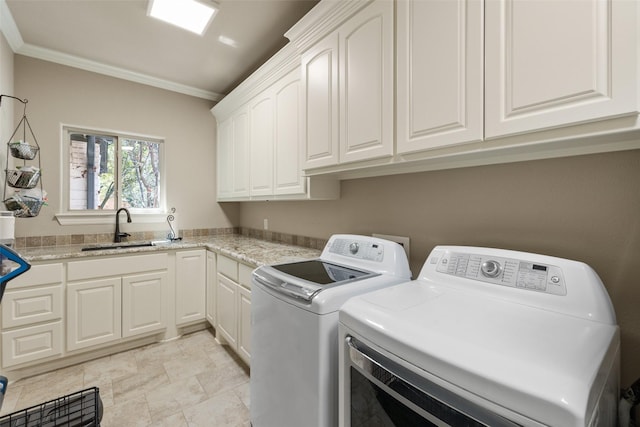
x: 254, y: 252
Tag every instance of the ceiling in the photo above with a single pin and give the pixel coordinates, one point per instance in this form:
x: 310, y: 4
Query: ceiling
x: 116, y: 37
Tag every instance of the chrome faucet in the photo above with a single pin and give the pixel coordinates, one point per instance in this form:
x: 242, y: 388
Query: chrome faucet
x: 117, y: 238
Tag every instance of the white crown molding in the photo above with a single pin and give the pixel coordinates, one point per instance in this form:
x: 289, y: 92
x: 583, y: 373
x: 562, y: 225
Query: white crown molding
x: 279, y: 65
x: 9, y: 28
x: 12, y: 34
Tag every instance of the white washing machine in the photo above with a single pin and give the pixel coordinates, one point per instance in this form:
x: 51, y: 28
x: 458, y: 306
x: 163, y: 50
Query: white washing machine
x: 294, y: 327
x: 484, y: 337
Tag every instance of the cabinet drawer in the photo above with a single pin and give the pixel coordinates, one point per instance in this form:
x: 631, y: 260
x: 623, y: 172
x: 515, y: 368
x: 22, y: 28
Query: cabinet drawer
x: 38, y: 275
x: 244, y: 275
x: 228, y: 267
x: 31, y: 344
x: 119, y: 266
x: 28, y: 306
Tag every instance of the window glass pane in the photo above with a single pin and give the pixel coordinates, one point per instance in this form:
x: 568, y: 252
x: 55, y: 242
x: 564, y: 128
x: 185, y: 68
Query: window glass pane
x: 140, y: 173
x: 91, y: 173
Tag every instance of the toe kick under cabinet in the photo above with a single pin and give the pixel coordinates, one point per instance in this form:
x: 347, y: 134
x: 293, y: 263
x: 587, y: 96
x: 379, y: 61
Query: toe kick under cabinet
x: 113, y: 298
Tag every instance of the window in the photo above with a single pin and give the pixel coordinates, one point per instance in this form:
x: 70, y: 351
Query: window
x: 108, y: 170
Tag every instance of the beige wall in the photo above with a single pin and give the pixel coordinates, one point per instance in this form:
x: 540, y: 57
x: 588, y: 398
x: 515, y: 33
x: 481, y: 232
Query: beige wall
x: 59, y: 94
x: 7, y: 107
x: 585, y: 208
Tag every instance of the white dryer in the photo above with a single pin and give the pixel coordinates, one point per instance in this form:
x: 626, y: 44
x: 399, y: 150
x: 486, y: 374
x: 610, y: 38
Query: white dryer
x: 294, y: 327
x: 484, y: 337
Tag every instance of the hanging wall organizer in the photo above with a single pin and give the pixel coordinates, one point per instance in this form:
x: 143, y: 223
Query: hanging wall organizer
x: 27, y: 199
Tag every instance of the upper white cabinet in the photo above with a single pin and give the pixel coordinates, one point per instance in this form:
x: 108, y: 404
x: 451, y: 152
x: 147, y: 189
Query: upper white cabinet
x: 321, y: 104
x: 348, y: 89
x: 260, y: 134
x: 288, y: 178
x: 233, y: 155
x: 556, y: 63
x: 275, y: 139
x: 439, y: 73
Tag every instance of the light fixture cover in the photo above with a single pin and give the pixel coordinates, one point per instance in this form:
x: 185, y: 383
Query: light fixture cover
x: 190, y: 15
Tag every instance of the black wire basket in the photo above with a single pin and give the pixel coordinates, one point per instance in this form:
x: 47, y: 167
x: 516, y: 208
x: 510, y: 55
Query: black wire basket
x: 80, y: 409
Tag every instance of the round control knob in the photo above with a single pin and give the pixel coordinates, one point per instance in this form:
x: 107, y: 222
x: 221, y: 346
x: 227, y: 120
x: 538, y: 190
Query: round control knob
x: 491, y: 268
x: 354, y: 248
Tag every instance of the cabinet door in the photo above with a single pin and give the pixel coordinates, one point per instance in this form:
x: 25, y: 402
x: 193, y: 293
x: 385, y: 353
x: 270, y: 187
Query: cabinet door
x: 227, y: 310
x: 440, y: 73
x: 211, y: 288
x: 191, y: 277
x: 244, y: 324
x: 224, y: 152
x: 288, y: 177
x: 240, y: 129
x: 262, y: 116
x: 555, y: 63
x: 320, y: 103
x: 143, y: 301
x: 367, y: 83
x: 93, y: 313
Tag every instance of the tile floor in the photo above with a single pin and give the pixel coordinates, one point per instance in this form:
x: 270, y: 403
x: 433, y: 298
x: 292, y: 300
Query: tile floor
x: 190, y: 381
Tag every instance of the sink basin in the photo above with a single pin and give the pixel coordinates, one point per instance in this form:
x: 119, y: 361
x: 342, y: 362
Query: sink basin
x: 117, y: 246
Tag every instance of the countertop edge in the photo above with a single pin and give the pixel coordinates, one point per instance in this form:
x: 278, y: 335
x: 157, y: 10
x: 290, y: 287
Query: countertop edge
x: 248, y: 250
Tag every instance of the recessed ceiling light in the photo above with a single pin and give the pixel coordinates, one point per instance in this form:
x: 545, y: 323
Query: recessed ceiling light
x: 191, y: 15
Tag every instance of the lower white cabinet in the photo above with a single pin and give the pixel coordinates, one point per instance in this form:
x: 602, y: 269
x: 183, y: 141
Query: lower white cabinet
x: 93, y: 313
x: 191, y: 278
x: 233, y: 305
x: 113, y: 298
x: 211, y: 288
x: 32, y: 316
x: 143, y: 298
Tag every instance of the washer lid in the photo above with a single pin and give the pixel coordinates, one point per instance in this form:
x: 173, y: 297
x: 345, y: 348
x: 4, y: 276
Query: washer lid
x: 305, y: 279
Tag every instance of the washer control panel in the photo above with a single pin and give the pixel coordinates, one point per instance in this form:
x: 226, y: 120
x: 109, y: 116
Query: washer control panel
x: 515, y: 273
x: 360, y: 249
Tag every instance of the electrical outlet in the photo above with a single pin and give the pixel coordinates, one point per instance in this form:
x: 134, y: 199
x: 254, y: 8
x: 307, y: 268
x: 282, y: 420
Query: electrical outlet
x: 266, y: 224
x: 403, y: 241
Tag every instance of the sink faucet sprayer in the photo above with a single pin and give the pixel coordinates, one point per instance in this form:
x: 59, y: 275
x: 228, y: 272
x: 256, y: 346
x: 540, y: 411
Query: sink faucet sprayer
x: 117, y: 238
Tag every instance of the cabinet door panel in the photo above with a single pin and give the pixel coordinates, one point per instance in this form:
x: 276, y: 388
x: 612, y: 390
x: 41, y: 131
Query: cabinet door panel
x: 240, y: 155
x: 262, y: 140
x: 211, y: 288
x: 224, y: 152
x: 288, y: 171
x: 440, y: 73
x: 93, y: 313
x: 556, y: 63
x: 244, y: 324
x: 143, y: 299
x: 320, y: 121
x: 366, y: 84
x: 227, y: 310
x: 191, y: 277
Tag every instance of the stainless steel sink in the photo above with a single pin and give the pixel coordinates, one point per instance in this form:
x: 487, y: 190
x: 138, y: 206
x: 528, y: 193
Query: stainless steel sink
x: 109, y: 246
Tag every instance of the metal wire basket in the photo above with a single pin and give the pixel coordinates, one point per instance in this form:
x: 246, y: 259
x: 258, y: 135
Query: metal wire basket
x: 22, y: 150
x: 23, y: 206
x: 80, y: 409
x: 23, y: 178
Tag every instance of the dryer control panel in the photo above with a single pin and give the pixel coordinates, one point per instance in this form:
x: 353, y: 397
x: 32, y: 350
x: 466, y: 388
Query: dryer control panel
x: 515, y: 273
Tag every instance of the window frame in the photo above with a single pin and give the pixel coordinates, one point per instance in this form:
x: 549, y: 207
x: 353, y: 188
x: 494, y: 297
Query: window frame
x: 67, y: 216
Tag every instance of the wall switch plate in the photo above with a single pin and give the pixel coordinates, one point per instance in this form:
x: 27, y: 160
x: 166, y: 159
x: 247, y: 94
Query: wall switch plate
x: 403, y: 241
x: 266, y: 224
